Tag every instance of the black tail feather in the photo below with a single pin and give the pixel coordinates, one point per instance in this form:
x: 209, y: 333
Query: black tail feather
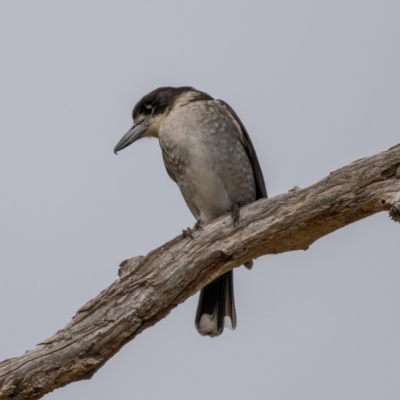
x: 216, y: 302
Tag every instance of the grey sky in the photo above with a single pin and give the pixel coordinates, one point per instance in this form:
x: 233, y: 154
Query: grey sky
x: 317, y: 85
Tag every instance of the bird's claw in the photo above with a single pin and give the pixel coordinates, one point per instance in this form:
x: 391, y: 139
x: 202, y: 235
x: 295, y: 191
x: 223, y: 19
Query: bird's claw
x: 187, y: 233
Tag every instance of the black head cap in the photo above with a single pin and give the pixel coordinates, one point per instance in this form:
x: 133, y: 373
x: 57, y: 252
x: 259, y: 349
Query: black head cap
x: 157, y: 101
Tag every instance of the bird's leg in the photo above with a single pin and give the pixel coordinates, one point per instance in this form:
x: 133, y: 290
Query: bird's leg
x: 235, y: 212
x: 197, y: 225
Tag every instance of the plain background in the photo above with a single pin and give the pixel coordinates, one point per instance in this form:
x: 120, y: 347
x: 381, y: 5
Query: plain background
x: 317, y: 85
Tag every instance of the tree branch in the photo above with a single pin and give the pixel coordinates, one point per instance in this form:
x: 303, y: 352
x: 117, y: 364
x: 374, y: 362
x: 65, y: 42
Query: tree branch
x: 151, y: 286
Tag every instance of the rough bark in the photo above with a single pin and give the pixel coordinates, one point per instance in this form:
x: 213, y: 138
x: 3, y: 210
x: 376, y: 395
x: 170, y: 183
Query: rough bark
x: 151, y: 286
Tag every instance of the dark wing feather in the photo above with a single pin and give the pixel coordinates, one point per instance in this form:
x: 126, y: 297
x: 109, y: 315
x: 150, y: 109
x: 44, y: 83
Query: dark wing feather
x: 261, y: 190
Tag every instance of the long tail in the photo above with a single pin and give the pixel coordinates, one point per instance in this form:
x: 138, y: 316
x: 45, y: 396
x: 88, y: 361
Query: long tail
x: 216, y: 307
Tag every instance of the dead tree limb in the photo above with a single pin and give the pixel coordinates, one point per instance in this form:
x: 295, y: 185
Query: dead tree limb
x: 151, y: 286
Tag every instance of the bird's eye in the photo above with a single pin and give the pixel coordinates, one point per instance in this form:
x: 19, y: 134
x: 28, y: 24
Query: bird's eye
x: 147, y: 109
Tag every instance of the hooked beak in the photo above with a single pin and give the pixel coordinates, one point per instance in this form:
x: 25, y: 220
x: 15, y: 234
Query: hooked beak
x: 131, y: 136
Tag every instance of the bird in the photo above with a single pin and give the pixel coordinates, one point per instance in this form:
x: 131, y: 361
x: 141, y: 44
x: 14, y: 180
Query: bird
x: 207, y: 151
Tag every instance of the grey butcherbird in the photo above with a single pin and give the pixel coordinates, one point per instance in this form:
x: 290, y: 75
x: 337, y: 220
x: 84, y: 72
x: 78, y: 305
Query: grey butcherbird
x: 208, y: 153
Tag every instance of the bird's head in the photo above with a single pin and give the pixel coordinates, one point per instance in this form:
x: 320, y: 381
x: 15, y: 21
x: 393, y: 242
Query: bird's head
x: 149, y: 113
